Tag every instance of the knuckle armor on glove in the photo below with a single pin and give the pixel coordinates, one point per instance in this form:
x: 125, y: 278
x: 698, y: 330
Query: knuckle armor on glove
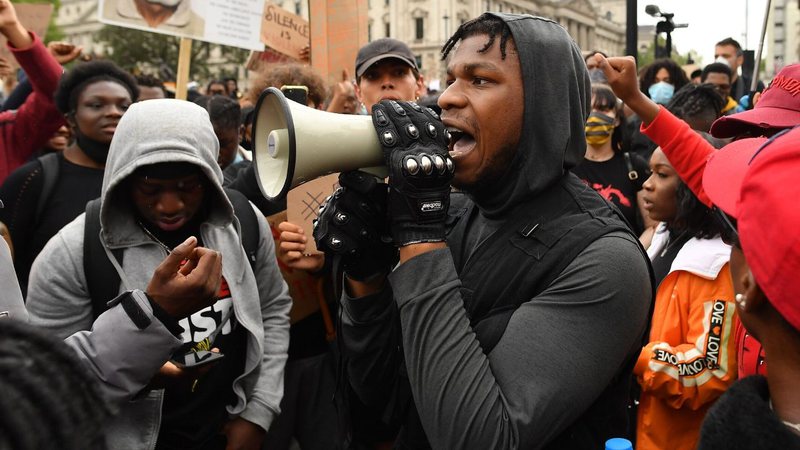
x: 352, y: 224
x: 415, y: 149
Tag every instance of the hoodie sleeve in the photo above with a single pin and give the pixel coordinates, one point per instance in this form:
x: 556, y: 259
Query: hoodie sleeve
x: 111, y: 347
x: 686, y: 150
x: 263, y: 406
x: 696, y: 371
x: 546, y: 370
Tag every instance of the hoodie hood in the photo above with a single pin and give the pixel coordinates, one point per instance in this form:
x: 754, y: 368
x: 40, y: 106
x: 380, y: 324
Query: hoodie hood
x: 557, y: 102
x: 153, y: 132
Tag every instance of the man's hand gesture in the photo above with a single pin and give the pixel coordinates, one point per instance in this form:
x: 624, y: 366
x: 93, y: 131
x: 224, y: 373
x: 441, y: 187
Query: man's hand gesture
x: 181, y: 291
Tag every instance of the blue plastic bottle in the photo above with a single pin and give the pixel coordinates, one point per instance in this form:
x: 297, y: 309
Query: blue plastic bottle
x: 618, y: 444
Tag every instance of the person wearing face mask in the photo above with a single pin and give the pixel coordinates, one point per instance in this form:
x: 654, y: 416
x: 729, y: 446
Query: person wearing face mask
x: 615, y: 174
x: 659, y: 81
x: 46, y: 194
x: 174, y: 16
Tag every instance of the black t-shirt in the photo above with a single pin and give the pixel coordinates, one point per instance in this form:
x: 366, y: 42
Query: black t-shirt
x: 193, y: 412
x: 76, y: 185
x: 610, y: 179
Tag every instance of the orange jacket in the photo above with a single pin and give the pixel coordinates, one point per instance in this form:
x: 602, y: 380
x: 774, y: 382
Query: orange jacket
x: 691, y: 357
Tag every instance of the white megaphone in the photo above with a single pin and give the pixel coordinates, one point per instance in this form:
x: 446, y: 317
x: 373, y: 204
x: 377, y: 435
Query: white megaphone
x: 294, y: 144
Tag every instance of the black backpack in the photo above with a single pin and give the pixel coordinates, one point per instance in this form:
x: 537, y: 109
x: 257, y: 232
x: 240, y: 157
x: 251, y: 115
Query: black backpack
x: 102, y: 279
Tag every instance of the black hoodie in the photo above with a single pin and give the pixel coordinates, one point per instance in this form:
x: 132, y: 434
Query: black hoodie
x: 525, y: 339
x: 557, y: 102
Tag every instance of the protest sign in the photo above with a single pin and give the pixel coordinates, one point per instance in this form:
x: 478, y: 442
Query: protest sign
x: 303, y: 202
x: 283, y: 31
x: 34, y: 17
x: 338, y: 30
x: 236, y: 23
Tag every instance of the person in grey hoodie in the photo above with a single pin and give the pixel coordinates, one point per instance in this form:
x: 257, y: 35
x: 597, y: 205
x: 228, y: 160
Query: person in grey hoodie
x: 519, y: 304
x: 161, y: 185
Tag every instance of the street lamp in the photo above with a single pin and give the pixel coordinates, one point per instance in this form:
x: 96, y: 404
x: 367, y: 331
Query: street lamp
x: 665, y: 26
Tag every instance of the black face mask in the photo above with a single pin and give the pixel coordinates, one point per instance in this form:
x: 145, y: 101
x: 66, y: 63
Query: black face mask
x: 97, y: 151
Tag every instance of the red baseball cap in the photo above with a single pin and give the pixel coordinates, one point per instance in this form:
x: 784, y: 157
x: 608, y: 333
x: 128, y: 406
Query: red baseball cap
x: 724, y: 172
x: 778, y: 108
x: 766, y: 211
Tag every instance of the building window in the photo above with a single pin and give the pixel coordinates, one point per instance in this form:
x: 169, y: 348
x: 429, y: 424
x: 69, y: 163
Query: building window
x: 386, y: 3
x: 369, y: 33
x: 387, y: 29
x: 418, y: 59
x: 419, y: 27
x: 297, y: 7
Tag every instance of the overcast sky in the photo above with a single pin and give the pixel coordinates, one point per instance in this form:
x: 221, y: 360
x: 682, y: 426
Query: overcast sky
x: 709, y: 22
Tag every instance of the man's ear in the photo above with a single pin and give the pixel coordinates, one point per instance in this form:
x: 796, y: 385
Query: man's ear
x: 421, y: 89
x: 752, y: 291
x: 357, y: 89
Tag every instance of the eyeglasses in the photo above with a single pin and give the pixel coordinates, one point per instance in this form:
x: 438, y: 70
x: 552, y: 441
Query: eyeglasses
x: 729, y: 235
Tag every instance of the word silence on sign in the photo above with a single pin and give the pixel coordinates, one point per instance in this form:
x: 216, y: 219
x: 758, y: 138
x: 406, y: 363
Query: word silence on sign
x: 283, y: 31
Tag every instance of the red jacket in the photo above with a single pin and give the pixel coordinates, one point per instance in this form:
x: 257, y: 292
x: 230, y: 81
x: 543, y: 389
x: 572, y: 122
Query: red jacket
x: 27, y: 129
x: 688, y: 153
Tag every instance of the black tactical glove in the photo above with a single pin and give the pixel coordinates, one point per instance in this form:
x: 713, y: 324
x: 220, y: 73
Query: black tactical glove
x: 352, y: 224
x: 415, y: 143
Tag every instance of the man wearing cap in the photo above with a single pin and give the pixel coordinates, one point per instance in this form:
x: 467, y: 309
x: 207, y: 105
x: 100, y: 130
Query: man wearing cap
x: 751, y: 181
x: 162, y: 185
x: 777, y: 109
x: 387, y: 70
x: 507, y: 323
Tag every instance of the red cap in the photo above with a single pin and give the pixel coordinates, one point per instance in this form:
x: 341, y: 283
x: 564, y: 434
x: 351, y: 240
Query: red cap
x: 722, y: 178
x: 778, y: 108
x: 769, y: 217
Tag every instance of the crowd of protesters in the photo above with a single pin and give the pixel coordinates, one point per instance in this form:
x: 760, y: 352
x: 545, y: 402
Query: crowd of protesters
x: 568, y: 249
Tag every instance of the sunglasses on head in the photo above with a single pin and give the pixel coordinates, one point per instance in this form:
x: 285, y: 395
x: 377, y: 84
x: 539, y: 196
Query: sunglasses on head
x: 729, y: 234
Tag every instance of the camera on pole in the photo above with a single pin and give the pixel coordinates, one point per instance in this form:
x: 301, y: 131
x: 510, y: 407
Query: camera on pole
x: 665, y: 26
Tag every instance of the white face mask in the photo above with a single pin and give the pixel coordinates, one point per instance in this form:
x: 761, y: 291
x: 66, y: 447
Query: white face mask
x: 721, y: 59
x: 166, y: 3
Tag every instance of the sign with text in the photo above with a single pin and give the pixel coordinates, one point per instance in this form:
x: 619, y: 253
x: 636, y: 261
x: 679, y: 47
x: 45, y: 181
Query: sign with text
x: 283, y: 31
x: 34, y: 17
x: 338, y: 30
x: 303, y: 202
x: 236, y: 23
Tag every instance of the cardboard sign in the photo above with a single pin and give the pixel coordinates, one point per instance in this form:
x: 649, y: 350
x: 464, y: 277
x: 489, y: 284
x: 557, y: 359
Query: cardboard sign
x: 283, y: 31
x: 236, y: 23
x: 303, y: 202
x: 34, y: 17
x: 338, y: 30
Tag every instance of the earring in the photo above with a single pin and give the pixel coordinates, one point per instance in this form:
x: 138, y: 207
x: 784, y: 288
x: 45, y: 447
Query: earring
x: 741, y: 300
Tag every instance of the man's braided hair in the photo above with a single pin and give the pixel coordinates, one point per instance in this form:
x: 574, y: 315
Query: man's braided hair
x: 487, y: 24
x: 47, y: 399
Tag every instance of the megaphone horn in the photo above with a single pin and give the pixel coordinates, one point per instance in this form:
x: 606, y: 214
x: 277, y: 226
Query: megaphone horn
x: 294, y: 144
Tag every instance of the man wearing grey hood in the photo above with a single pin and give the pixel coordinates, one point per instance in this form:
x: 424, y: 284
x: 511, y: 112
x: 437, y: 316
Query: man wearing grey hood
x: 519, y: 305
x: 161, y: 186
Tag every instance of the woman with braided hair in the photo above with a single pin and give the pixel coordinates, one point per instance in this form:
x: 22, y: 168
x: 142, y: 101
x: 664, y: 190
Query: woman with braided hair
x: 49, y: 401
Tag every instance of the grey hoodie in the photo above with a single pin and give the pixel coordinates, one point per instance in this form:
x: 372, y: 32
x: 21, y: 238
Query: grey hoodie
x: 154, y: 132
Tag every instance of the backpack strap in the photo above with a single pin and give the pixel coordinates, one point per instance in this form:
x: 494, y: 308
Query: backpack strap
x: 633, y: 175
x: 50, y: 169
x: 102, y: 279
x: 248, y: 222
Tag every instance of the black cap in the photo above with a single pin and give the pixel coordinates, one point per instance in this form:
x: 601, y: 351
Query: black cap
x: 381, y: 49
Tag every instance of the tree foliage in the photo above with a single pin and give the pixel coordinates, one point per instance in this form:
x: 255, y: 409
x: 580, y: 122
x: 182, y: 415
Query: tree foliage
x: 648, y: 55
x: 136, y: 51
